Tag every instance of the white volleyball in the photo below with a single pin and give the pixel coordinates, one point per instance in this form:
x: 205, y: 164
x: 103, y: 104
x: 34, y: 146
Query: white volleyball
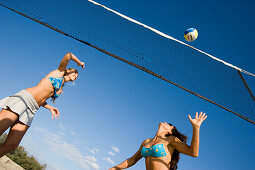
x: 190, y: 34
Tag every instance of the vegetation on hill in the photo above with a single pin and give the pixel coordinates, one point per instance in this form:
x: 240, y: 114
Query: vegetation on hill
x: 21, y: 157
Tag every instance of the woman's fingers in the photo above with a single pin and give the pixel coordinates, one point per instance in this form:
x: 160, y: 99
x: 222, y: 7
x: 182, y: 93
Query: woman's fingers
x: 189, y: 117
x: 52, y: 114
x: 58, y: 114
x: 55, y: 113
x: 204, y: 117
x: 82, y: 64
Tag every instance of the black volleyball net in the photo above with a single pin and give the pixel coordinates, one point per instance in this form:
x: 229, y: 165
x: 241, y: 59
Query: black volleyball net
x: 145, y: 48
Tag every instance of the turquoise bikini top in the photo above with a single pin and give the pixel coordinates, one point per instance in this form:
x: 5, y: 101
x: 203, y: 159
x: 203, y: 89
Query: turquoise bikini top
x: 56, y: 83
x: 154, y: 151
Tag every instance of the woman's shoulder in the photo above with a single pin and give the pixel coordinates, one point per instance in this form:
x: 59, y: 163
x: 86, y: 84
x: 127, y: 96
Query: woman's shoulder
x: 145, y: 141
x: 172, y: 138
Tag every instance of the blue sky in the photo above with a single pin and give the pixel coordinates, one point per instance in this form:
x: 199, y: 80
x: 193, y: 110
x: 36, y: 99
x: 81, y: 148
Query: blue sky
x: 113, y: 107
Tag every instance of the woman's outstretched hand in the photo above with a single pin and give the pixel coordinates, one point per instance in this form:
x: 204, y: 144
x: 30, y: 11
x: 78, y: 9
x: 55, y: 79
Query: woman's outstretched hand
x: 82, y: 64
x: 55, y: 113
x: 198, y: 119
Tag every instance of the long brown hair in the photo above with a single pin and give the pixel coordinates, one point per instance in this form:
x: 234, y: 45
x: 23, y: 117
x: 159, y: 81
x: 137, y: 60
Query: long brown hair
x: 67, y: 71
x: 176, y: 155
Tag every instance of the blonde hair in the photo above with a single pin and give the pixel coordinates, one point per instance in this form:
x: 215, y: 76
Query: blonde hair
x: 67, y: 71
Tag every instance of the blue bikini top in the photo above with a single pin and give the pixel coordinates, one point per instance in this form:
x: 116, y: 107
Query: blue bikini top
x: 56, y: 83
x: 154, y: 151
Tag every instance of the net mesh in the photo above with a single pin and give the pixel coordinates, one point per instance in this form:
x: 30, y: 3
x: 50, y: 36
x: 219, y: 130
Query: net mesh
x: 149, y: 50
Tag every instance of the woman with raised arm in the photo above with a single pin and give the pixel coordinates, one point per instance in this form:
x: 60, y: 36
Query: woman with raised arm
x: 162, y: 151
x: 18, y: 110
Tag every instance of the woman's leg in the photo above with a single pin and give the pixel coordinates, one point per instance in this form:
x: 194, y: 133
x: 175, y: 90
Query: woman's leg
x: 7, y: 118
x: 14, y: 137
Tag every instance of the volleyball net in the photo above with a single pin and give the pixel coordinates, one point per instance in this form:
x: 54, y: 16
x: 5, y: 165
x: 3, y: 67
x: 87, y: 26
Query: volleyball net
x: 146, y: 48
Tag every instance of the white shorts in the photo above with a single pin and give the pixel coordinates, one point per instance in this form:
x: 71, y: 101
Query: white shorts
x: 22, y: 103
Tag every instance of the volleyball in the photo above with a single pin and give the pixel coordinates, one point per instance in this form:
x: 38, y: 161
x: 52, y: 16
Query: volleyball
x: 190, y: 34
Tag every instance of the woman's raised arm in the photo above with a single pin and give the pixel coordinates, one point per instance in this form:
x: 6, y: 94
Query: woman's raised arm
x: 194, y: 148
x: 69, y: 56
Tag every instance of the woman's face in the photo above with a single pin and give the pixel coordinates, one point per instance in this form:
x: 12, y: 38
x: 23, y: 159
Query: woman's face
x: 166, y: 127
x: 73, y: 75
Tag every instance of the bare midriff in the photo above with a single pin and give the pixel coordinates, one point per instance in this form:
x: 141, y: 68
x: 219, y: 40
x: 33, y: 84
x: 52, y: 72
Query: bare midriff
x: 42, y: 91
x: 157, y: 163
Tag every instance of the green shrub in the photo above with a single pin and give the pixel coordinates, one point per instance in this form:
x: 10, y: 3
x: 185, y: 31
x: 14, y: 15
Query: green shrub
x: 21, y: 157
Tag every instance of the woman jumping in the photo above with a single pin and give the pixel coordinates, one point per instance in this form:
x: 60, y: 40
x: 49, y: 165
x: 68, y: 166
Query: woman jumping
x: 18, y: 110
x: 162, y: 152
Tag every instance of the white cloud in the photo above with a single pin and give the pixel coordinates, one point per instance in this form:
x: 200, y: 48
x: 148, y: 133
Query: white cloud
x: 108, y: 160
x: 94, y: 150
x: 116, y: 149
x: 59, y: 146
x: 51, y: 166
x: 111, y: 153
x: 92, y: 161
x: 62, y: 130
x: 42, y: 158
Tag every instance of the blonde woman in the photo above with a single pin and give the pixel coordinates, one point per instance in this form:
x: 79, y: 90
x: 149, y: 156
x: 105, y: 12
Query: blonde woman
x: 18, y: 110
